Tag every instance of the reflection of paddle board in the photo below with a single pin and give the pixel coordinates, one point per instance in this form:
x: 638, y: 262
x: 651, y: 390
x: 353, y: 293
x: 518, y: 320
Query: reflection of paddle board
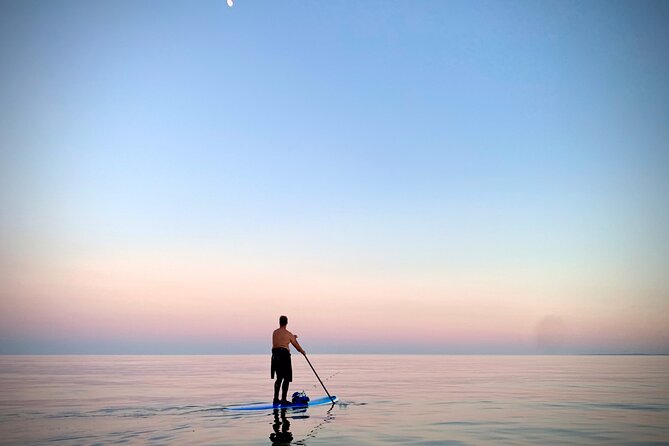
x: 267, y: 406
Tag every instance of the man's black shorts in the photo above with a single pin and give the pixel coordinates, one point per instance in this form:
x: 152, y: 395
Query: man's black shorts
x: 281, y: 364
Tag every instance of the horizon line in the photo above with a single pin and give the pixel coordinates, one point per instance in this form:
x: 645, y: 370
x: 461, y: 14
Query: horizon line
x: 339, y: 353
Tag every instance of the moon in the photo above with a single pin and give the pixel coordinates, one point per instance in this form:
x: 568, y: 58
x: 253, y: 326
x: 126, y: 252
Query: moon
x: 230, y: 3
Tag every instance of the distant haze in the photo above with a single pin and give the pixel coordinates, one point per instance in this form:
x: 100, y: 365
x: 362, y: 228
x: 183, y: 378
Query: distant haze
x: 395, y: 177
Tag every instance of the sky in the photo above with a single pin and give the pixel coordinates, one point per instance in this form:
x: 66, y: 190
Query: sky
x: 396, y: 177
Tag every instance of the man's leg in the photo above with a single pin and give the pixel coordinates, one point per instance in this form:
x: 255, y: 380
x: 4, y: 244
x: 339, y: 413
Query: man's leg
x: 277, y: 386
x: 284, y: 389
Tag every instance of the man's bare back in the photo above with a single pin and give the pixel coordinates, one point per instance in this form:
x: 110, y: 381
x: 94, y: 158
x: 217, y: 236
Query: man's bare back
x: 281, y: 338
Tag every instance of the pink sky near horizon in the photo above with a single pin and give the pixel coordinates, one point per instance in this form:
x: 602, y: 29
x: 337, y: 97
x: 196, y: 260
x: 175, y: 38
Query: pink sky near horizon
x: 196, y: 295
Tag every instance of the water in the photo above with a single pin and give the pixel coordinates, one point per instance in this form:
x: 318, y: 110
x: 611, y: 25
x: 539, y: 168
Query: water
x: 422, y: 400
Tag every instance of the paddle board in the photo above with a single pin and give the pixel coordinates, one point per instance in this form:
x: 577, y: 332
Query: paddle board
x: 268, y: 406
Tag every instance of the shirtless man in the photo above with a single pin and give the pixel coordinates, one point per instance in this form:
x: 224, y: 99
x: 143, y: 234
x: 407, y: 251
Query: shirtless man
x: 281, y: 364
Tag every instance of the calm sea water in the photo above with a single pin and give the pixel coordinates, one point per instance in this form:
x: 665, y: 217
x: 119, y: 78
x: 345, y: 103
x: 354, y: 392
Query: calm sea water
x: 422, y: 400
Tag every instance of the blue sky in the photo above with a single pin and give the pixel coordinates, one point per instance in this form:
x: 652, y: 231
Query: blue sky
x: 381, y: 139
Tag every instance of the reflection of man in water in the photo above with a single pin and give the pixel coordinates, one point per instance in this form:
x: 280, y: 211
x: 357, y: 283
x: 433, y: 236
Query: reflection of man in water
x: 281, y: 364
x: 281, y: 434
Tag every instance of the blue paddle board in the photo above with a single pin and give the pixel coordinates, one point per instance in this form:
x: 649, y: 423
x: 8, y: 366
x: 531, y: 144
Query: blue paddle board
x: 267, y: 406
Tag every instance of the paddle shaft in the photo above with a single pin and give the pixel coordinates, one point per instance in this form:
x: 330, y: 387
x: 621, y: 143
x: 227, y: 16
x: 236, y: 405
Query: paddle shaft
x: 319, y: 378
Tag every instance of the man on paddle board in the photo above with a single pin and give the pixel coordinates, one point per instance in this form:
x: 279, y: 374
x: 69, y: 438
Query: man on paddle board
x: 281, y: 364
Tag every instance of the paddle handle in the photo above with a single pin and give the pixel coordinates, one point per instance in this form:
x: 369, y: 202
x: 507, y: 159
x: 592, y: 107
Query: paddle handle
x: 319, y: 379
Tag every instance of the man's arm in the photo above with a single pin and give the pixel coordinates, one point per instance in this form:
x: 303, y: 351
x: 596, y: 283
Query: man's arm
x: 293, y: 340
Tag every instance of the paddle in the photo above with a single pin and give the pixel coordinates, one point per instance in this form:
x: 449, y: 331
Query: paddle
x: 319, y: 378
